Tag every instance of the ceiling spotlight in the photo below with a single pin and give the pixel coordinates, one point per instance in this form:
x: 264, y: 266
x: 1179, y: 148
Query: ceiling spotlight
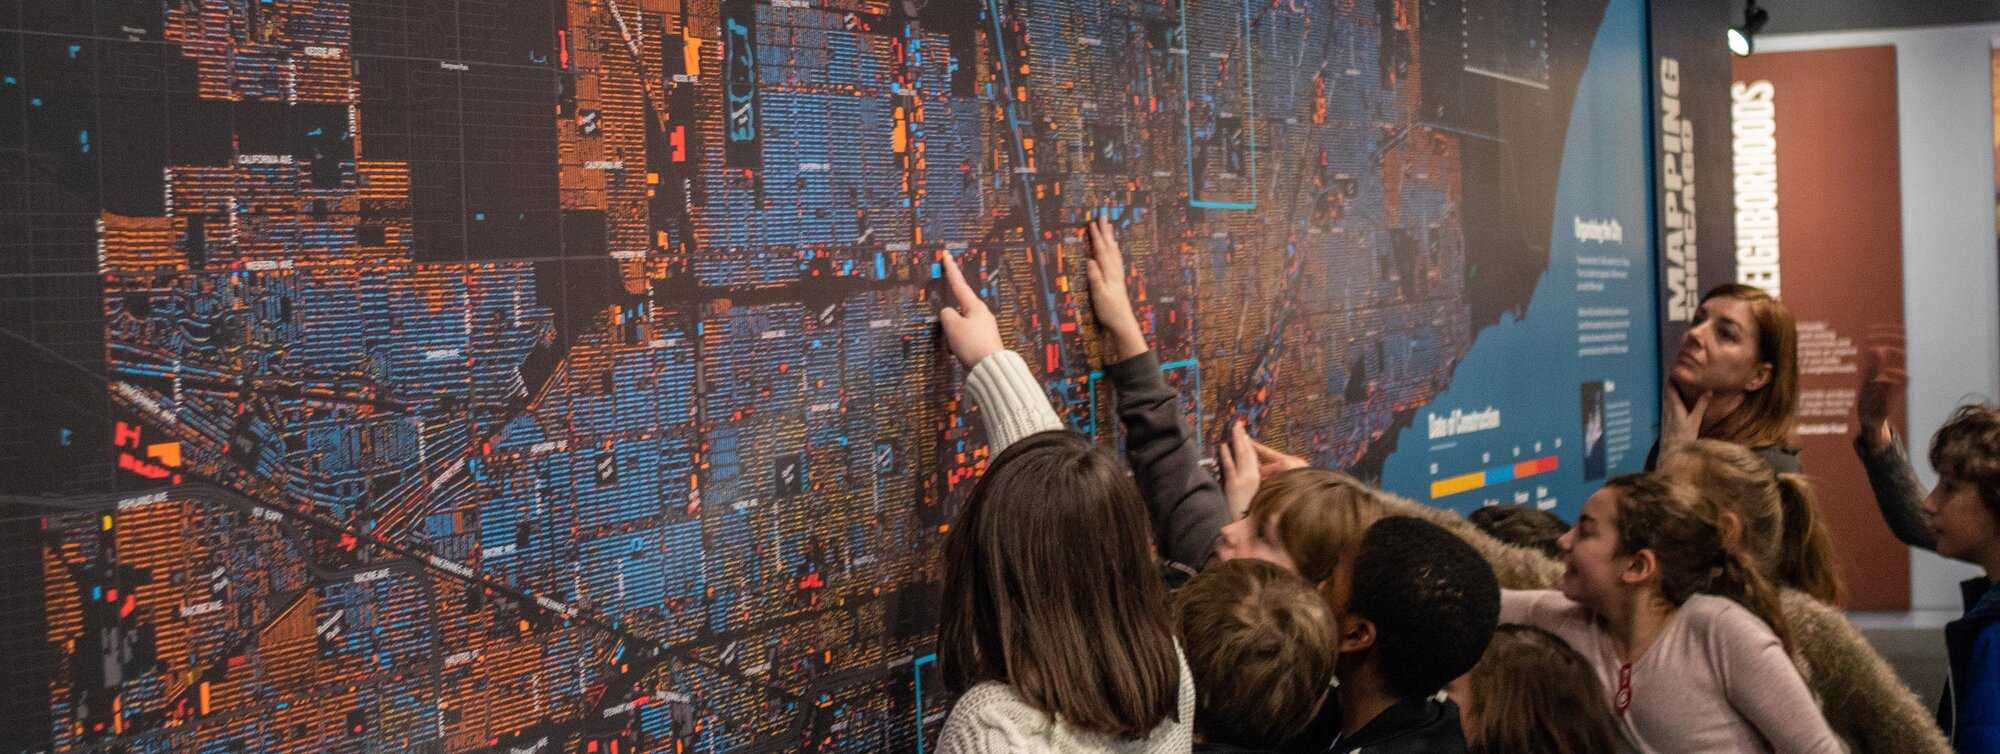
x: 1742, y: 39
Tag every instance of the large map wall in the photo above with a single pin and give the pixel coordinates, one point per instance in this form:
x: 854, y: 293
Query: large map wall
x: 562, y: 375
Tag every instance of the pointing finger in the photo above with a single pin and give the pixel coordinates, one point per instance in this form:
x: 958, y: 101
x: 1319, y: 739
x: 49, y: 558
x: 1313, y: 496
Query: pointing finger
x: 960, y: 290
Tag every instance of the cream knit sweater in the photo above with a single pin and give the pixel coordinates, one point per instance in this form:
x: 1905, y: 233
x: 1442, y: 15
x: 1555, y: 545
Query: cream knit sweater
x: 991, y: 719
x: 1011, y: 403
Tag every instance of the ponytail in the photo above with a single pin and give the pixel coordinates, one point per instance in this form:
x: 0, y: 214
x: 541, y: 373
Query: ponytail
x: 1784, y: 537
x: 1737, y: 581
x: 1806, y: 558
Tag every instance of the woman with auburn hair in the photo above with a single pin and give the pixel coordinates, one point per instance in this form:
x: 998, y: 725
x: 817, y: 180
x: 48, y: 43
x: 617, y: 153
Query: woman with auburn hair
x: 1532, y: 694
x: 1055, y: 634
x: 1736, y: 378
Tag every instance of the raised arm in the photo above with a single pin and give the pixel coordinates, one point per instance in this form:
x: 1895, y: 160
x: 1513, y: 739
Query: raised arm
x: 1897, y: 491
x: 1187, y: 504
x: 1011, y: 404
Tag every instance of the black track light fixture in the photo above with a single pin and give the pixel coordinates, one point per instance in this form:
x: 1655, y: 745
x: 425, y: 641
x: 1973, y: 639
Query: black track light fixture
x: 1743, y: 39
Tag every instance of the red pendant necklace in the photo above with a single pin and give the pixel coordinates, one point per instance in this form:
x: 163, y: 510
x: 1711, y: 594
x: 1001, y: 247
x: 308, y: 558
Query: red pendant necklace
x: 1624, y: 698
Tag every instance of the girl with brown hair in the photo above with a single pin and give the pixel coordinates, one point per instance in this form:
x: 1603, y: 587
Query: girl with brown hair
x: 1736, y: 378
x: 1773, y: 520
x: 1688, y: 639
x: 1532, y: 694
x: 1055, y: 634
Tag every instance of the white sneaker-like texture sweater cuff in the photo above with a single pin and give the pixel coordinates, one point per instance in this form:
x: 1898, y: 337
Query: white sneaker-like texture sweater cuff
x: 1011, y: 403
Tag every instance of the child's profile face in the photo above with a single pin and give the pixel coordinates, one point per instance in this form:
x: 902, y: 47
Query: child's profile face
x: 1964, y: 526
x: 1593, y: 569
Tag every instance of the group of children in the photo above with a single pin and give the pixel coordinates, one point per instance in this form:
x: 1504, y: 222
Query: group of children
x: 1689, y: 609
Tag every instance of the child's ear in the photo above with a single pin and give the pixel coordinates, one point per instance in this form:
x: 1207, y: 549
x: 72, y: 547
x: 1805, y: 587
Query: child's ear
x: 1639, y: 567
x: 1357, y: 634
x: 1732, y: 531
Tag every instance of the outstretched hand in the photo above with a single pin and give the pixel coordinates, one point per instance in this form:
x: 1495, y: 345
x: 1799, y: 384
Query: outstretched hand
x: 1880, y: 386
x: 1240, y: 473
x: 1108, y: 297
x: 970, y: 330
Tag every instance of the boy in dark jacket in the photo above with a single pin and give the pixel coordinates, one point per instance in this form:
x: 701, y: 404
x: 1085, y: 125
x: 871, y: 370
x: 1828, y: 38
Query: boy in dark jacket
x: 1259, y: 643
x: 1960, y: 519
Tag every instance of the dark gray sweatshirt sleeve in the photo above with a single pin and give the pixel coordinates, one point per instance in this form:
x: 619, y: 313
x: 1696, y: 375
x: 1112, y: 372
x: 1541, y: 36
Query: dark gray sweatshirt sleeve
x: 1187, y: 504
x: 1897, y: 493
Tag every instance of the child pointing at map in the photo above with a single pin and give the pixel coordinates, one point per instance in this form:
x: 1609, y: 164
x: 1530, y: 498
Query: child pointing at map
x: 1055, y: 633
x: 1400, y: 642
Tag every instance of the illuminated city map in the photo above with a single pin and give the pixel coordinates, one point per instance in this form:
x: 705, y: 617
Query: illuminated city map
x: 562, y: 375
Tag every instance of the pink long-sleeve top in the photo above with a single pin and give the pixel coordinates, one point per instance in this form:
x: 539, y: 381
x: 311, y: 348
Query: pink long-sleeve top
x: 1716, y: 678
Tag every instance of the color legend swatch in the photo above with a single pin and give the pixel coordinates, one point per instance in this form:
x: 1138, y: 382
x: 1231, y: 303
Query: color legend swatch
x: 1507, y: 473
